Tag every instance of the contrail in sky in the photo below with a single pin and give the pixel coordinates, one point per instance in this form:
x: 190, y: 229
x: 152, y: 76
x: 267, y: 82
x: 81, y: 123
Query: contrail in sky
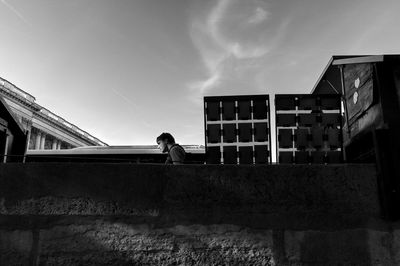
x: 132, y: 106
x: 16, y: 12
x: 126, y: 99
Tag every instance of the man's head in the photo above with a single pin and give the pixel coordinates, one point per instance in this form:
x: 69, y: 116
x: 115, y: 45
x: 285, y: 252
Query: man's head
x: 163, y: 140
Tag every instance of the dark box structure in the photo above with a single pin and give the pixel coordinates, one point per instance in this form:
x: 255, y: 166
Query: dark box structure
x: 370, y: 90
x: 237, y: 129
x: 308, y: 128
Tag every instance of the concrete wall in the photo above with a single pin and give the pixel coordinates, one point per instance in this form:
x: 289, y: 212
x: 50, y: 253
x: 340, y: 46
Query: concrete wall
x: 128, y: 214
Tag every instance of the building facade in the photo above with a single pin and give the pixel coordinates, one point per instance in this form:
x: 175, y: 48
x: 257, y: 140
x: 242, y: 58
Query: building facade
x: 46, y: 130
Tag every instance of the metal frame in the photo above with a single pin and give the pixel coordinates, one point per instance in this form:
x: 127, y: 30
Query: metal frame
x: 237, y: 122
x: 297, y: 112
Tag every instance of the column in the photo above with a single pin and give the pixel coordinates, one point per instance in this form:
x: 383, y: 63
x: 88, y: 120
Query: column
x: 58, y: 144
x: 5, y: 159
x: 42, y: 141
x: 38, y: 140
x: 28, y: 140
x: 54, y: 144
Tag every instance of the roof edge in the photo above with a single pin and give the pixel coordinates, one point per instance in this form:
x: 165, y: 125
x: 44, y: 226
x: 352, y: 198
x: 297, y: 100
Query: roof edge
x: 330, y: 62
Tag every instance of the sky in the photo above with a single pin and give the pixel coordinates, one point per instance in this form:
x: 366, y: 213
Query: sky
x: 127, y: 70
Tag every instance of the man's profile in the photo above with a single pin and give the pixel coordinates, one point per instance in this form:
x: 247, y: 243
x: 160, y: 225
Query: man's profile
x: 176, y: 153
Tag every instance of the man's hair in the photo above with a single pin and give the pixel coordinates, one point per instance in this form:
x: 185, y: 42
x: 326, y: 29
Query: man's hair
x: 166, y: 136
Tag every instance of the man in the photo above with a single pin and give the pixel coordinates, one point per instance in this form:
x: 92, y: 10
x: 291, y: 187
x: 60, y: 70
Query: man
x: 166, y: 143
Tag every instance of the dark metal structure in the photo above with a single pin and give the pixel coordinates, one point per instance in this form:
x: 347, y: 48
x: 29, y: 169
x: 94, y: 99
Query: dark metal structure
x: 237, y: 129
x: 308, y: 128
x: 370, y: 90
x: 13, y: 139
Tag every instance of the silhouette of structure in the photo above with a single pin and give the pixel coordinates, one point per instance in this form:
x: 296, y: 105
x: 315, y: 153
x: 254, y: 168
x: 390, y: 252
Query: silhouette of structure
x: 237, y: 129
x: 308, y: 128
x: 370, y: 90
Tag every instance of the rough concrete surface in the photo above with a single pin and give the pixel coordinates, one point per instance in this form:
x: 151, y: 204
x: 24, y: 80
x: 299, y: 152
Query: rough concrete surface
x: 126, y: 214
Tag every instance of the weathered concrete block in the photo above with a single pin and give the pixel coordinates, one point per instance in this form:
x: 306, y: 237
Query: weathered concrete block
x: 119, y: 243
x: 381, y: 247
x: 126, y: 189
x: 50, y: 205
x: 396, y: 244
x: 15, y: 247
x: 347, y: 247
x: 124, y: 214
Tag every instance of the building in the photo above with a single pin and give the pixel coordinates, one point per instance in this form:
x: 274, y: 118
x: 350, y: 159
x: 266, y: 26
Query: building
x: 13, y: 138
x: 369, y: 88
x: 370, y: 91
x: 237, y: 129
x: 45, y: 130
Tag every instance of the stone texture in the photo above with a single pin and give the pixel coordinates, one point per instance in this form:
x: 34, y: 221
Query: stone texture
x: 119, y: 243
x: 123, y: 188
x: 15, y: 247
x: 349, y: 247
x: 125, y: 214
x: 381, y: 247
x: 71, y: 206
x: 395, y: 244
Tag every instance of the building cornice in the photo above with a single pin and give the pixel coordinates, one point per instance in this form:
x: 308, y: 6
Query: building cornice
x: 63, y: 127
x: 13, y: 93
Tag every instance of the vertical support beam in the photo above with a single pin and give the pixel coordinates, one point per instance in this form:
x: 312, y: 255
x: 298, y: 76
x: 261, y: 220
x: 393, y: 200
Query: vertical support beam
x: 28, y: 139
x: 38, y: 140
x: 28, y: 136
x: 54, y: 144
x: 5, y: 149
x: 42, y: 141
x: 344, y: 100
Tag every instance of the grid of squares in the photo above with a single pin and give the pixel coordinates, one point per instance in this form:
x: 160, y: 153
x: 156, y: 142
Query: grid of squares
x: 308, y: 129
x: 237, y: 129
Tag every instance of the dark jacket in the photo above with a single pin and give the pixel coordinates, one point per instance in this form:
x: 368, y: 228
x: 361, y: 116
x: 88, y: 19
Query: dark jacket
x: 176, y: 155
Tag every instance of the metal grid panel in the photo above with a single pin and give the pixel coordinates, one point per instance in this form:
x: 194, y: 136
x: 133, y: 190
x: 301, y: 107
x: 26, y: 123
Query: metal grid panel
x: 308, y: 128
x: 237, y: 129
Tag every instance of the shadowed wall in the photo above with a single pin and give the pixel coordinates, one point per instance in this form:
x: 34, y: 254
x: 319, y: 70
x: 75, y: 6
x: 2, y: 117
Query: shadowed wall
x: 127, y: 214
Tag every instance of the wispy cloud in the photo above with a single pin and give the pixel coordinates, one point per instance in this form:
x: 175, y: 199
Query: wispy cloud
x: 227, y: 52
x: 259, y: 16
x: 16, y: 12
x: 229, y: 47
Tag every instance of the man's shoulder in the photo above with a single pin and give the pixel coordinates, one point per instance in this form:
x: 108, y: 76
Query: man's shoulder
x: 177, y: 151
x: 177, y: 154
x: 177, y: 147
